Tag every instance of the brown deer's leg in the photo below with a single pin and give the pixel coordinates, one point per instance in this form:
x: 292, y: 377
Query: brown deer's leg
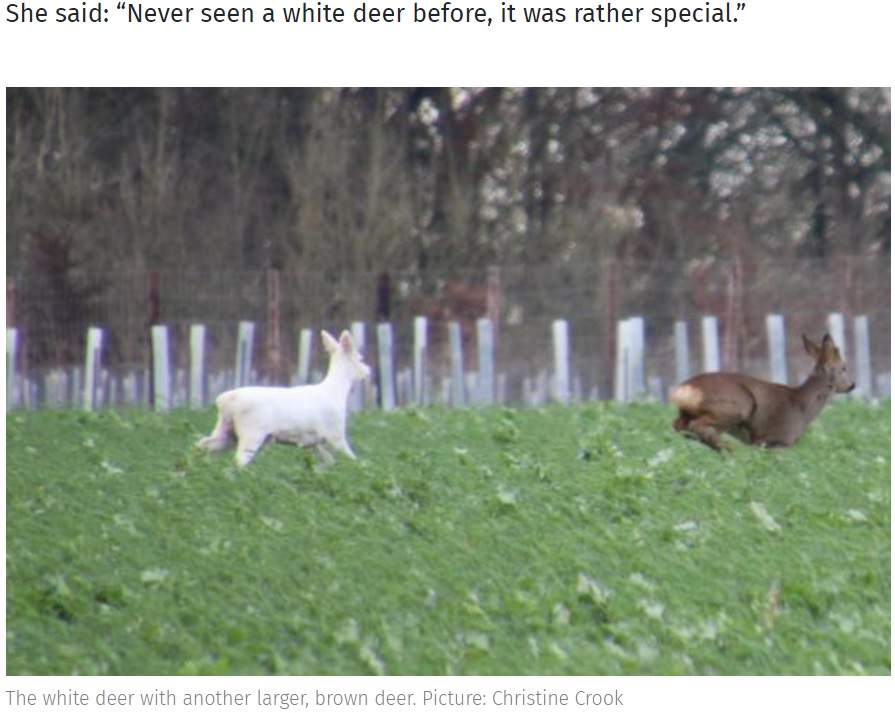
x: 705, y: 430
x: 681, y: 422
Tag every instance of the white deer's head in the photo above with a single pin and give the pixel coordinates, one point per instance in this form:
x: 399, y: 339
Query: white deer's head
x: 344, y: 357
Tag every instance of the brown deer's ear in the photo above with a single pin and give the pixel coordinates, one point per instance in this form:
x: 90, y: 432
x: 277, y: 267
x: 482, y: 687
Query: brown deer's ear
x: 829, y: 346
x: 810, y: 347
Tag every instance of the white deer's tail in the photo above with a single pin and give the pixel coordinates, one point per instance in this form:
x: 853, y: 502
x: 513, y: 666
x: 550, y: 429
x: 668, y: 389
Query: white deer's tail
x: 222, y: 436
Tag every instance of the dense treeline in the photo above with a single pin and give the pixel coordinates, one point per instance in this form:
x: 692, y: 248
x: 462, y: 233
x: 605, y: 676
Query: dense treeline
x: 130, y: 206
x: 440, y: 179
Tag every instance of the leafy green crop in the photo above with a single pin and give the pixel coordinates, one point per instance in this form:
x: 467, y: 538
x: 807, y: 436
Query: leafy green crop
x: 588, y: 539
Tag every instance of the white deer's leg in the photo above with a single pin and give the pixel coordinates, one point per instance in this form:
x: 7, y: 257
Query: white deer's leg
x: 220, y: 438
x: 340, y: 443
x: 323, y: 453
x: 249, y: 444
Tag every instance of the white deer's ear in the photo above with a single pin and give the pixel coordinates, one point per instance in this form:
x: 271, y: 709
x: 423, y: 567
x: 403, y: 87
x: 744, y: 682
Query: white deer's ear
x: 346, y: 342
x: 329, y: 342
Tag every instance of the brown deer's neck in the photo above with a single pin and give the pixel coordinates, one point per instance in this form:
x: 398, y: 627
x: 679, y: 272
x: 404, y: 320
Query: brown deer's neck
x: 813, y: 395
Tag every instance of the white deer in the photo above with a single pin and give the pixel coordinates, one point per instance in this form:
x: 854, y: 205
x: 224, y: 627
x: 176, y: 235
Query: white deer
x: 310, y: 416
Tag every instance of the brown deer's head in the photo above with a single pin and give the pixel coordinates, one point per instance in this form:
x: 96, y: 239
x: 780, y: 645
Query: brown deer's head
x: 830, y: 364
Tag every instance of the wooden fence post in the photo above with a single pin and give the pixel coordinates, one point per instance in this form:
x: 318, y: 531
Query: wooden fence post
x: 242, y: 373
x: 274, y: 360
x: 153, y: 316
x: 733, y: 316
x: 197, y: 366
x: 420, y: 353
x: 385, y: 342
x: 12, y: 302
x: 561, y: 380
x: 681, y: 352
x: 776, y: 348
x: 610, y: 300
x: 455, y: 344
x: 161, y: 368
x: 92, y: 365
x: 12, y: 346
x: 485, y: 338
x: 711, y: 355
x: 492, y: 301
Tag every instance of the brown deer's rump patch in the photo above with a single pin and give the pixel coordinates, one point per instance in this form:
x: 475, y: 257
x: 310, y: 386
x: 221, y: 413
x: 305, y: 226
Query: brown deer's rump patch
x: 686, y: 397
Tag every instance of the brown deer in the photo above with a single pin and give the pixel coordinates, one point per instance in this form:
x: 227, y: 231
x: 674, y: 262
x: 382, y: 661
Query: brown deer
x: 756, y: 411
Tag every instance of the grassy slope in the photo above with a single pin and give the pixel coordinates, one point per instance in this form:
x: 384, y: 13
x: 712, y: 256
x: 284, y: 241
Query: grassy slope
x: 580, y: 540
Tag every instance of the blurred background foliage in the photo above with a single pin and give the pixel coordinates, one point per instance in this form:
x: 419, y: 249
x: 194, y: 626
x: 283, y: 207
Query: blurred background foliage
x: 593, y: 204
x: 440, y: 179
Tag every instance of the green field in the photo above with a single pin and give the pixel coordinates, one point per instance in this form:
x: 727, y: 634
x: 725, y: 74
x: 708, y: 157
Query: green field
x: 588, y: 539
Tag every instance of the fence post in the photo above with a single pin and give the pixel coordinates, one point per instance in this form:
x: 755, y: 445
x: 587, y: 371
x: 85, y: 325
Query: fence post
x: 55, y: 385
x: 455, y: 344
x: 420, y: 350
x: 863, y: 373
x: 273, y: 365
x: 637, y: 377
x: 622, y: 356
x: 362, y: 396
x: 485, y: 337
x: 305, y: 342
x: 777, y: 348
x: 12, y: 345
x: 161, y: 368
x: 242, y: 373
x: 197, y: 366
x: 561, y: 360
x: 836, y: 327
x: 492, y: 300
x: 711, y: 356
x: 681, y: 352
x: 385, y: 342
x: 630, y: 381
x: 12, y: 301
x: 92, y: 366
x: 610, y: 301
x: 154, y: 316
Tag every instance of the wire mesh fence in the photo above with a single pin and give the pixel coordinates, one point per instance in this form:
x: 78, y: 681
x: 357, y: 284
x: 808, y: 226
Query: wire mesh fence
x: 52, y: 317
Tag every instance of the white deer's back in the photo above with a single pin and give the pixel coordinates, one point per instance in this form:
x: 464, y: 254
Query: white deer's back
x: 302, y: 414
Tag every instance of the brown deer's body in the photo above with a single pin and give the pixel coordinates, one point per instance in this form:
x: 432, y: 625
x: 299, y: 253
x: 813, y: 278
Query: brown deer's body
x: 757, y: 411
